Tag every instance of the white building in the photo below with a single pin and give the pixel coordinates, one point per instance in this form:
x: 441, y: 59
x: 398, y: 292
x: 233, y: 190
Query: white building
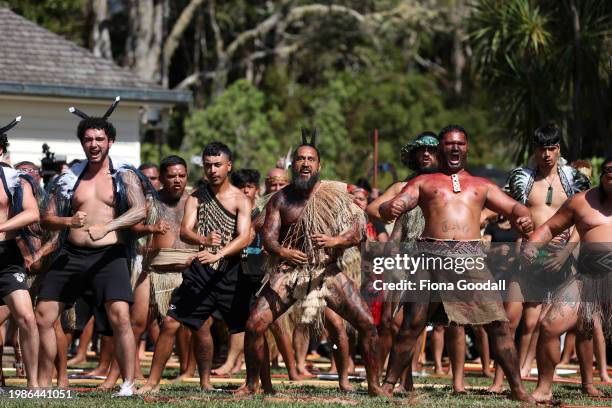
x: 42, y: 74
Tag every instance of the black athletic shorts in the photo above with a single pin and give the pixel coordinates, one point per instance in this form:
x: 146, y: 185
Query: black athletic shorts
x: 77, y: 269
x: 205, y: 290
x: 12, y: 272
x: 84, y: 308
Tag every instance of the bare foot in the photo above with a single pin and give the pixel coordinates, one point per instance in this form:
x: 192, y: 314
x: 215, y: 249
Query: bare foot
x: 207, y: 387
x: 148, y: 389
x: 225, y: 369
x: 525, y: 372
x: 98, y: 372
x: 345, y: 386
x: 244, y: 390
x: 590, y: 390
x: 378, y: 391
x: 540, y: 396
x: 388, y: 388
x: 105, y: 387
x: 495, y: 389
x: 182, y: 378
x: 605, y: 377
x: 63, y: 383
x: 439, y: 371
x: 487, y: 373
x: 77, y: 359
x: 522, y: 395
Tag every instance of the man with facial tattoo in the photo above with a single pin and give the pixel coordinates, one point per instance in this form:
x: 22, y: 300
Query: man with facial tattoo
x: 452, y: 201
x: 308, y: 226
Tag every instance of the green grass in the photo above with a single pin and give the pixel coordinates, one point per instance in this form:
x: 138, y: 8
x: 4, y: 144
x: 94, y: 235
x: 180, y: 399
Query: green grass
x: 188, y: 395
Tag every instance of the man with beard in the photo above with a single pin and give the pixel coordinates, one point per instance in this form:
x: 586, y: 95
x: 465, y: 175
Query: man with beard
x: 543, y: 188
x: 452, y: 201
x: 165, y: 254
x: 97, y: 200
x: 217, y: 217
x: 18, y: 210
x: 585, y: 295
x: 308, y: 226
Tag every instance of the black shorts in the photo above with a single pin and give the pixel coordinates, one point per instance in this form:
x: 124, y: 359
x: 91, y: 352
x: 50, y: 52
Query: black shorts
x: 104, y: 271
x: 12, y: 273
x: 205, y: 290
x: 84, y: 309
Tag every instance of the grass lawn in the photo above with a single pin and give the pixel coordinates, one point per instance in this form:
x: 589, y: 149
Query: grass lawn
x: 431, y: 392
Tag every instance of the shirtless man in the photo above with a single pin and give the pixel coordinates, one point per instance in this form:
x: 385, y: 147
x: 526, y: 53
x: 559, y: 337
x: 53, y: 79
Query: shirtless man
x: 100, y: 198
x: 451, y: 201
x: 543, y: 189
x: 14, y: 290
x: 314, y: 277
x: 585, y: 294
x: 164, y: 222
x: 217, y: 218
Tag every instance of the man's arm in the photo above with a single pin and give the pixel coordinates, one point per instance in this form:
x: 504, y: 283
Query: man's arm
x: 190, y: 220
x: 135, y: 214
x: 27, y: 216
x: 373, y: 209
x: 517, y: 213
x: 271, y: 232
x: 353, y: 236
x: 559, y: 222
x: 406, y: 200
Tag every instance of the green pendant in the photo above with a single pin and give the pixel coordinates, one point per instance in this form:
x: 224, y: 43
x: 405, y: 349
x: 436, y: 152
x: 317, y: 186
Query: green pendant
x: 549, y: 196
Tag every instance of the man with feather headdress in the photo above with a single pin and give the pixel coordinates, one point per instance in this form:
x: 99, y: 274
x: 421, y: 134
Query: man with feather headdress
x: 94, y: 204
x: 308, y: 226
x: 18, y: 209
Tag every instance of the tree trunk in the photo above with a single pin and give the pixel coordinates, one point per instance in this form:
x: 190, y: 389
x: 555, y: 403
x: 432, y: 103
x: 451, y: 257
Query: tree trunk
x: 576, y: 152
x: 145, y: 38
x: 100, y: 36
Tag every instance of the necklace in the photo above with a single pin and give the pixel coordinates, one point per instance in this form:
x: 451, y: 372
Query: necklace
x: 456, y: 184
x: 549, y: 192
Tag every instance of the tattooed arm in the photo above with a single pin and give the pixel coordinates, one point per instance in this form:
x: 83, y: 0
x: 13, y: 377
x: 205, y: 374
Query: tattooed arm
x: 271, y: 232
x: 348, y: 239
x: 373, y: 209
x: 135, y: 214
x: 406, y: 200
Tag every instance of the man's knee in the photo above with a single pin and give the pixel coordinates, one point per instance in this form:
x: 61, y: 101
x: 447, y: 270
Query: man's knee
x: 26, y: 321
x: 170, y: 325
x: 45, y: 315
x: 119, y: 316
x: 257, y: 324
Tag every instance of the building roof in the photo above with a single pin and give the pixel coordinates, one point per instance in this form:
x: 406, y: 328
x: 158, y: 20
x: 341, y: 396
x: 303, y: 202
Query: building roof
x: 35, y: 61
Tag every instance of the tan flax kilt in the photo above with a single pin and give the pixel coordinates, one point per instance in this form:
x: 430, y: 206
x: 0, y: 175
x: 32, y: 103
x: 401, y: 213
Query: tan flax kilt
x: 164, y: 280
x: 459, y: 307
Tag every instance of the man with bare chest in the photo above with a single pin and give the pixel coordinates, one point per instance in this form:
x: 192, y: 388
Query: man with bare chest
x: 452, y: 201
x: 585, y: 295
x: 308, y: 226
x: 543, y: 188
x: 166, y: 255
x: 217, y: 218
x: 14, y: 216
x: 95, y: 203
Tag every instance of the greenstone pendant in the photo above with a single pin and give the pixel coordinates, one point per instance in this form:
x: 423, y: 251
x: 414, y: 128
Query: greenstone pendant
x: 549, y: 195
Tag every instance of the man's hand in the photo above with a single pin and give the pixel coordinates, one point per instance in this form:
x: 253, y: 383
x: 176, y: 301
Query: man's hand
x: 529, y: 252
x: 324, y: 241
x: 392, y: 209
x: 211, y: 240
x: 97, y: 232
x: 294, y: 256
x: 555, y: 261
x: 78, y: 219
x: 159, y: 228
x: 525, y: 225
x: 206, y: 257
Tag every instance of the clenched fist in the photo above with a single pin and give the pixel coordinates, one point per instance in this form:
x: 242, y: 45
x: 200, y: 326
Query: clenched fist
x: 78, y: 219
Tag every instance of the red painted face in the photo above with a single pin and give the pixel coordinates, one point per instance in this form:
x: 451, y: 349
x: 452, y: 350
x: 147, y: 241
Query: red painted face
x: 453, y: 151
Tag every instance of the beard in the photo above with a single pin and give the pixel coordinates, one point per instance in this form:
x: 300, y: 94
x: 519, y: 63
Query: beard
x: 428, y: 170
x: 301, y: 185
